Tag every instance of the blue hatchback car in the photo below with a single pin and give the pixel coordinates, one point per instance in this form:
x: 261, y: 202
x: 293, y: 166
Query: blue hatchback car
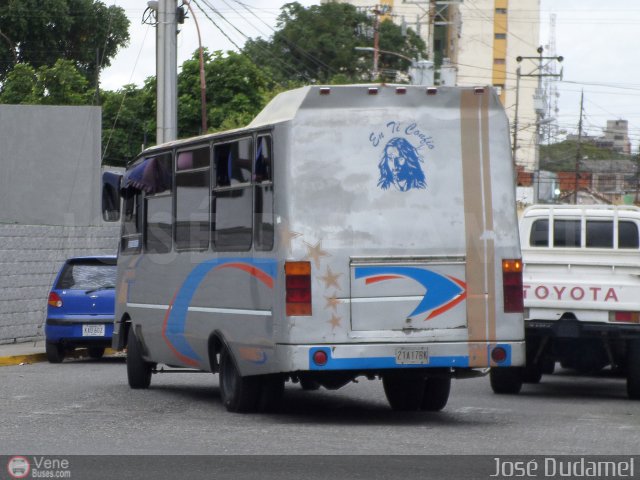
x: 81, y: 307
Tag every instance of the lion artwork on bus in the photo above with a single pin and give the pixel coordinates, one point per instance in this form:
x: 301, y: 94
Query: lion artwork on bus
x: 400, y: 166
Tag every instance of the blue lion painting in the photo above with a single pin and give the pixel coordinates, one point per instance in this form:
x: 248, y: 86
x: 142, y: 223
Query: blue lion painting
x: 400, y: 166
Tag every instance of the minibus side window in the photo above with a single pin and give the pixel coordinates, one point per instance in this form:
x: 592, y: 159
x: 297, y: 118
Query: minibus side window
x: 599, y: 234
x: 131, y: 238
x: 263, y: 195
x: 566, y: 233
x: 158, y: 204
x: 627, y: 235
x: 231, y: 201
x: 192, y: 199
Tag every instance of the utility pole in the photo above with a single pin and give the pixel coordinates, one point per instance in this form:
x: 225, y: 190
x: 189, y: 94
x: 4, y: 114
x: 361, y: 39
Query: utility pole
x: 515, y: 119
x: 167, y: 71
x: 539, y: 71
x: 578, y: 150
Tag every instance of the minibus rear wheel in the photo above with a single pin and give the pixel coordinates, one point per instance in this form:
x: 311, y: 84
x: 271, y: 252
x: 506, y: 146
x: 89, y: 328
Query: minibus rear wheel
x: 404, y: 392
x: 436, y: 393
x: 239, y: 394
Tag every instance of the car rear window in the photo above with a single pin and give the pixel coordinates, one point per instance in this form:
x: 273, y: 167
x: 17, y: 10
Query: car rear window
x: 87, y: 275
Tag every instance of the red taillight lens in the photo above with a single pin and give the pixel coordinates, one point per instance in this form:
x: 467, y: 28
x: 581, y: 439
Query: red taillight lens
x: 626, y: 317
x: 298, y: 288
x: 512, y: 285
x: 498, y: 355
x: 320, y: 358
x: 54, y: 300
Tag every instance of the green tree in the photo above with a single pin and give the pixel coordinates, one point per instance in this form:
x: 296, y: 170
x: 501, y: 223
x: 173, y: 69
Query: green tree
x: 128, y: 122
x: 561, y: 157
x: 37, y: 32
x: 20, y: 86
x: 236, y: 91
x: 317, y: 45
x: 60, y: 84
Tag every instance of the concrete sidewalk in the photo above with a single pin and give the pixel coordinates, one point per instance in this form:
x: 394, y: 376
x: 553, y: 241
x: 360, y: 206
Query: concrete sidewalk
x: 34, y: 352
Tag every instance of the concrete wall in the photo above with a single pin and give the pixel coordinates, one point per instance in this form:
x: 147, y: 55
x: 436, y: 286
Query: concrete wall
x: 49, y: 206
x: 50, y: 161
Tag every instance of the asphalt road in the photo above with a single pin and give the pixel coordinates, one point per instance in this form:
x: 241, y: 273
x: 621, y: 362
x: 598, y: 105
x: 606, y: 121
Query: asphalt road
x: 85, y: 407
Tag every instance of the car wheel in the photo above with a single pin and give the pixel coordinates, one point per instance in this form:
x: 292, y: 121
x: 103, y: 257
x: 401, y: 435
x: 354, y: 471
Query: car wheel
x: 238, y: 393
x: 633, y: 369
x: 55, y: 352
x: 96, y: 352
x: 138, y: 369
x: 436, y: 393
x: 404, y: 392
x: 506, y: 380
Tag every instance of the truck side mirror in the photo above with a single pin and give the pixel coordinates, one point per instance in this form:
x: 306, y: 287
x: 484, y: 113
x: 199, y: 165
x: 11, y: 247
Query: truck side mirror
x: 111, y: 196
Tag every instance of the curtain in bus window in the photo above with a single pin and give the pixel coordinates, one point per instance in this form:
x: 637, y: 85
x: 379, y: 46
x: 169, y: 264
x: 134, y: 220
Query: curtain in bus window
x: 152, y: 175
x: 233, y: 163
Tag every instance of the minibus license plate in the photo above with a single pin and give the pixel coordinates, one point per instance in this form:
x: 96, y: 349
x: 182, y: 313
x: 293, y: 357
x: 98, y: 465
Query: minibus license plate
x: 93, y: 330
x: 412, y: 356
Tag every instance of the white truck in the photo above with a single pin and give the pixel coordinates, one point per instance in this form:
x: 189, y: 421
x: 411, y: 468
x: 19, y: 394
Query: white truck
x: 581, y: 280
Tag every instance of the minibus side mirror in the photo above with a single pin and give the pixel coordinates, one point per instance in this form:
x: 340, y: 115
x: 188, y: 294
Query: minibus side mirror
x: 111, y: 196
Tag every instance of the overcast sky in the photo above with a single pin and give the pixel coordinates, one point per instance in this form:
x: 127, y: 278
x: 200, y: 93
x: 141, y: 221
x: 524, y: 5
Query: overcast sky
x: 600, y: 42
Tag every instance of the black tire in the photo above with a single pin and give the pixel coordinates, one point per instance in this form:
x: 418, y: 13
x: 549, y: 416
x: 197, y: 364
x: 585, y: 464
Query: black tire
x: 633, y: 369
x: 271, y: 392
x: 404, y: 392
x: 55, y: 352
x: 239, y: 394
x: 138, y: 369
x: 436, y: 394
x: 506, y: 380
x: 96, y: 352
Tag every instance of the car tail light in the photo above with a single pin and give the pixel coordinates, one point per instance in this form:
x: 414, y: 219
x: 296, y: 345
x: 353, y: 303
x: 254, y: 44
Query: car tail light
x: 498, y: 355
x: 298, y: 288
x: 512, y: 285
x: 624, y: 317
x: 54, y: 300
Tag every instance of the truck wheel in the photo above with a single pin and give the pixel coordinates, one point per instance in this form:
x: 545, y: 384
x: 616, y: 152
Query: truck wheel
x: 96, y: 352
x: 239, y: 394
x: 436, y: 394
x: 271, y: 392
x: 506, y: 380
x: 138, y: 369
x: 633, y: 369
x: 404, y: 392
x: 55, y: 352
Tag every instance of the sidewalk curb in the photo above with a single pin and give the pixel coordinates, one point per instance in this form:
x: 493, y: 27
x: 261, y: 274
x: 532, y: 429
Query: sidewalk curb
x: 28, y: 359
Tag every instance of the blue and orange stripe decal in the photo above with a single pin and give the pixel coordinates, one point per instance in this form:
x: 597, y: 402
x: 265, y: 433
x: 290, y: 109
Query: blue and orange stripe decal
x: 173, y: 329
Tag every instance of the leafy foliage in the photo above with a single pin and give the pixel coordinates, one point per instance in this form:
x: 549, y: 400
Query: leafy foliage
x: 561, y: 157
x: 39, y: 33
x: 317, y: 45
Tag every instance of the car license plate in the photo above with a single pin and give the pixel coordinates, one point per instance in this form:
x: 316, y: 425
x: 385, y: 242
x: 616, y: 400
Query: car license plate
x: 412, y: 356
x: 93, y: 330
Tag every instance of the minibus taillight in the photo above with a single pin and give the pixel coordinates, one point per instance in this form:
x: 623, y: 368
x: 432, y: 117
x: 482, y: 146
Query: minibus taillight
x: 512, y: 285
x: 298, y: 288
x: 54, y: 300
